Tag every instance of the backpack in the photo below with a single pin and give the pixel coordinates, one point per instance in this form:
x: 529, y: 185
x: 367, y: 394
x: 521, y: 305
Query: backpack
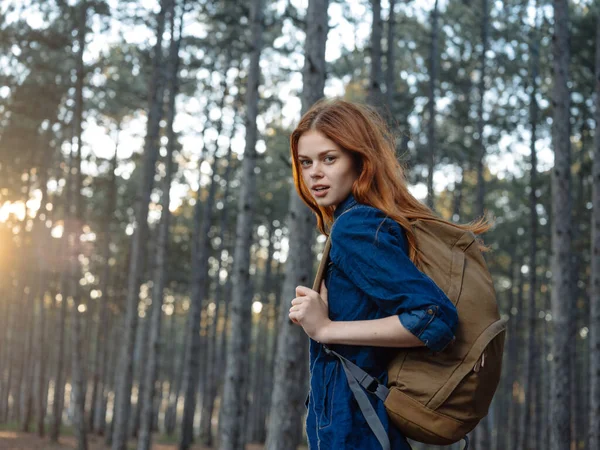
x: 437, y: 398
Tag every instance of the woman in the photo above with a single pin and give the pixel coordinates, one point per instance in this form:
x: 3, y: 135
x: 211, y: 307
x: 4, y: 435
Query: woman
x: 373, y: 297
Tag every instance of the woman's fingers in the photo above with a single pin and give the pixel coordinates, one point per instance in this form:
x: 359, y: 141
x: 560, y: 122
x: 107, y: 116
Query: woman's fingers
x: 294, y: 315
x: 307, y: 307
x: 302, y: 291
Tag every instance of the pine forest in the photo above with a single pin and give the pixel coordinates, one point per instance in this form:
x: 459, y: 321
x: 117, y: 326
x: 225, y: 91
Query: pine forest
x: 151, y: 237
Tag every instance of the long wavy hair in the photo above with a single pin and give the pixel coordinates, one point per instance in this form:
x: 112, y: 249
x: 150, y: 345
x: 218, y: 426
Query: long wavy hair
x: 381, y: 183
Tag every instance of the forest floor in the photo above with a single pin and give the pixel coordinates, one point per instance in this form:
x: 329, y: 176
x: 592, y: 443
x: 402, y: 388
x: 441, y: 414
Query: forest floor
x: 17, y: 440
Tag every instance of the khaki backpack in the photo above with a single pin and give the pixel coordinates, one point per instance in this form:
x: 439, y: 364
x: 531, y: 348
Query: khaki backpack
x: 437, y: 398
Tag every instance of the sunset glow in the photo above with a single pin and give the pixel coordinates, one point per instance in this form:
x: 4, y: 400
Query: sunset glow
x: 8, y: 209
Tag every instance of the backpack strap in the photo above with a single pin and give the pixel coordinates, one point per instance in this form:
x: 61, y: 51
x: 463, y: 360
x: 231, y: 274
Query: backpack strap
x: 355, y: 375
x: 357, y: 378
x: 322, y: 265
x: 369, y: 383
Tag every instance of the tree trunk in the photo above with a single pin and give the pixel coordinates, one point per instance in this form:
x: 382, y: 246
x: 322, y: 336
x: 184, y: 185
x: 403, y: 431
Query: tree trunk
x: 234, y: 400
x: 256, y: 426
x: 531, y: 352
x: 27, y: 378
x: 200, y: 255
x: 457, y: 197
x: 290, y: 372
x: 390, y: 74
x: 118, y: 330
x: 594, y: 326
x: 561, y: 235
x: 21, y: 333
x: 138, y: 246
x: 480, y: 204
x: 6, y: 346
x: 110, y: 356
x: 545, y: 383
x: 433, y: 74
x: 41, y: 237
x: 211, y: 362
x: 171, y: 412
x: 151, y: 366
x: 505, y: 388
x: 513, y: 361
x: 374, y: 96
x: 224, y: 338
x: 61, y: 315
x: 103, y: 329
x: 223, y: 292
x: 59, y: 382
x: 78, y: 359
x: 28, y: 371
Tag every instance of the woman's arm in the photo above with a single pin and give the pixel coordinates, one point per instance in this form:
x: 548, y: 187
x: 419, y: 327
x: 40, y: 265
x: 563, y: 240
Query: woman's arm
x: 385, y: 332
x: 309, y: 309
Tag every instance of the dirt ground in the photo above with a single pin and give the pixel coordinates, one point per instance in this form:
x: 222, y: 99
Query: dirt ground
x: 15, y: 440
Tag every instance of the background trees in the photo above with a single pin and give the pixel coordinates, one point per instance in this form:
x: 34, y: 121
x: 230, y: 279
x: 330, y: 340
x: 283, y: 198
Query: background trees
x: 122, y: 120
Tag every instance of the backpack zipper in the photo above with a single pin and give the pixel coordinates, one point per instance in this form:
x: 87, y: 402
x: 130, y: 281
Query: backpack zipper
x: 480, y: 363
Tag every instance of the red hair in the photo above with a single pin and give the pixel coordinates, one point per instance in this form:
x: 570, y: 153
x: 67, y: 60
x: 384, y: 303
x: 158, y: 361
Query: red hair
x: 381, y: 183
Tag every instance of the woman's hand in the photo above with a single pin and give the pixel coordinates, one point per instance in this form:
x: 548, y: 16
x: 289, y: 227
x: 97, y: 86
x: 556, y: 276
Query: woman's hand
x: 310, y: 310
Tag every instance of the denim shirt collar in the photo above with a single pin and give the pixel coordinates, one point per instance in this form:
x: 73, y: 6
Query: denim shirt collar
x: 344, y: 206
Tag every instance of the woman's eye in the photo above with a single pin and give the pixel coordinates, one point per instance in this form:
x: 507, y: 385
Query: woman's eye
x: 305, y: 163
x: 329, y: 158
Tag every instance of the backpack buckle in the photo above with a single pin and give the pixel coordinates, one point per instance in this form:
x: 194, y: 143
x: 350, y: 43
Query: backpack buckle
x: 373, y: 385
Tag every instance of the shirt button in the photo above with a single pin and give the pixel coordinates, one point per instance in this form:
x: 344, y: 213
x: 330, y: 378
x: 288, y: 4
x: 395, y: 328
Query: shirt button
x: 430, y: 311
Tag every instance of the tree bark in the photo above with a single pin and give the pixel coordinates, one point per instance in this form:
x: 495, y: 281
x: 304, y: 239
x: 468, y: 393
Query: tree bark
x: 21, y: 333
x: 433, y: 74
x: 545, y: 383
x: 103, y: 329
x: 457, y: 197
x: 40, y: 236
x: 506, y: 386
x: 211, y: 373
x: 374, y: 95
x: 138, y: 247
x: 151, y: 367
x: 78, y: 360
x: 480, y: 203
x: 200, y: 255
x: 223, y: 292
x: 513, y: 360
x: 59, y: 383
x: 176, y: 382
x: 531, y: 352
x: 290, y: 373
x: 594, y: 326
x: 234, y: 400
x: 390, y: 74
x: 118, y: 330
x: 562, y: 347
x: 27, y: 379
x: 6, y: 345
x: 60, y: 316
x: 257, y: 424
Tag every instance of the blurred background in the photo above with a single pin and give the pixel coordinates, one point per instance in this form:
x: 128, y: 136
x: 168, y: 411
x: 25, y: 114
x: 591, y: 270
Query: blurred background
x: 151, y: 238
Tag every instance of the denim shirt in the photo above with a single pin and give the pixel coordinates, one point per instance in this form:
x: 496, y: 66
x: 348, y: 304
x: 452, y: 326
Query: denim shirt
x: 369, y: 276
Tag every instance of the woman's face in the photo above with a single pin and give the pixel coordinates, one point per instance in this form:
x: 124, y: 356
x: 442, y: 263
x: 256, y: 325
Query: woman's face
x: 328, y: 170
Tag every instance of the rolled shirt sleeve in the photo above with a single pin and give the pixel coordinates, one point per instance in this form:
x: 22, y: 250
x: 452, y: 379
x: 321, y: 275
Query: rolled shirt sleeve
x: 372, y: 251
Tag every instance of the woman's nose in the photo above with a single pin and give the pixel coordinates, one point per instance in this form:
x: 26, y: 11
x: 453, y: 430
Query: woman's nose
x: 316, y: 171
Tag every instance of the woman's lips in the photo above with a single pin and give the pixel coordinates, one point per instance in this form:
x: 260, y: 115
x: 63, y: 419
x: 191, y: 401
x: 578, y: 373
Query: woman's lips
x: 321, y: 192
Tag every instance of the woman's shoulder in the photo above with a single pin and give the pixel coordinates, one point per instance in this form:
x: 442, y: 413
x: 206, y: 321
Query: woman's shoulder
x: 365, y: 219
x: 359, y: 212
